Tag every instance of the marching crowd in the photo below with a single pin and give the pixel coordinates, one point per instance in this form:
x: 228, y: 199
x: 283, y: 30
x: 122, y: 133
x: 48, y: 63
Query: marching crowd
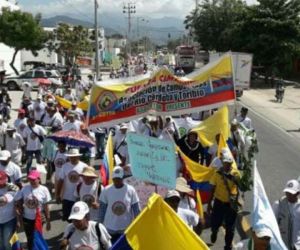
x: 99, y: 214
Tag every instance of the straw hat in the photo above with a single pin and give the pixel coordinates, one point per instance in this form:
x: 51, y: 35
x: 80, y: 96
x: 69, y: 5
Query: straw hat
x: 182, y: 186
x: 73, y: 152
x: 89, y: 172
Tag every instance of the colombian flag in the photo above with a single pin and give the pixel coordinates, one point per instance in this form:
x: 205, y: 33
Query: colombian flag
x: 108, y: 162
x: 15, y: 243
x: 39, y: 242
x: 158, y: 227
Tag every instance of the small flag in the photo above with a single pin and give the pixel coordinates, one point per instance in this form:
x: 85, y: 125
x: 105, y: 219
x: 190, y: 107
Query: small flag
x: 108, y: 162
x: 39, y: 242
x: 15, y: 243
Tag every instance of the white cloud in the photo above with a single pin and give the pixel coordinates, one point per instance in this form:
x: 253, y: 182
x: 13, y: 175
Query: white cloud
x: 153, y: 8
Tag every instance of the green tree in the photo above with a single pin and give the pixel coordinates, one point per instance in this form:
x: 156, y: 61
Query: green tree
x: 271, y: 31
x: 71, y: 42
x: 213, y: 23
x: 21, y: 30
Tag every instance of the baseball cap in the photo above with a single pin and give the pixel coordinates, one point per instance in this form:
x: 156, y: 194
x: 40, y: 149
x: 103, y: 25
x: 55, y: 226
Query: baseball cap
x: 292, y: 187
x: 4, y: 155
x: 227, y: 158
x: 172, y: 193
x: 124, y: 126
x: 234, y: 122
x: 21, y: 111
x: 33, y: 175
x: 118, y: 172
x: 3, y: 178
x: 79, y: 210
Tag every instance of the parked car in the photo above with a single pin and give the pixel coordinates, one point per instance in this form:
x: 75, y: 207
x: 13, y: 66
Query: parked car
x: 15, y: 82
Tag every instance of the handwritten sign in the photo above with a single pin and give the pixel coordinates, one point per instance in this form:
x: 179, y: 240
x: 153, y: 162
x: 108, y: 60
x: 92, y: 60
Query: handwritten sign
x: 152, y: 160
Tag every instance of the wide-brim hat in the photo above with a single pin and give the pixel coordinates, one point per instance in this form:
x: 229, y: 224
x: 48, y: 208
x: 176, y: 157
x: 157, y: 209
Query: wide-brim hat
x: 182, y: 186
x: 89, y: 172
x: 73, y: 152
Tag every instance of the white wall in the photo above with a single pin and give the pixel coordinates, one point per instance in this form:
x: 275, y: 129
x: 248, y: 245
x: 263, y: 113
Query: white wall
x: 43, y: 56
x: 6, y: 54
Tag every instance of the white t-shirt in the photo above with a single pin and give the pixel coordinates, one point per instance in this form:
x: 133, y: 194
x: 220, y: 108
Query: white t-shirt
x: 59, y: 160
x: 89, y: 194
x: 188, y: 216
x: 245, y: 121
x: 68, y: 126
x: 87, y: 239
x: 38, y: 109
x: 119, y: 201
x: 13, y: 144
x: 33, y: 142
x: 32, y: 199
x: 20, y: 125
x: 187, y: 203
x: 7, y: 206
x: 55, y: 121
x: 13, y: 171
x: 70, y: 174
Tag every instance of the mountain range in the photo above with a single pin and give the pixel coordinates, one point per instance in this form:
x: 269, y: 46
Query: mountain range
x: 158, y: 29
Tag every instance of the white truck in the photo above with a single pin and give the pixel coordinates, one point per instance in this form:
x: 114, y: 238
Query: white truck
x: 242, y: 65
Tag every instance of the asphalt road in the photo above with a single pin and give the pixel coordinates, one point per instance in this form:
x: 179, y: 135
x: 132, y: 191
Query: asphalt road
x: 278, y: 161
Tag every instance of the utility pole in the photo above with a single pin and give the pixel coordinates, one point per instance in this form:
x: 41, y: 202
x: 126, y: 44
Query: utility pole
x: 96, y: 41
x: 129, y: 9
x: 196, y: 2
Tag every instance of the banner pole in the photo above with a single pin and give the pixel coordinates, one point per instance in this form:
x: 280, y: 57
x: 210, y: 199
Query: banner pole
x: 233, y: 79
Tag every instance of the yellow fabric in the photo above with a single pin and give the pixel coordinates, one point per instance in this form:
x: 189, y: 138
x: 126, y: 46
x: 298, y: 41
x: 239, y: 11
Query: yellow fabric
x: 221, y: 192
x: 158, y: 227
x: 198, y: 172
x: 14, y: 238
x: 223, y: 144
x: 213, y: 125
x: 109, y: 151
x: 199, y: 205
x: 67, y: 104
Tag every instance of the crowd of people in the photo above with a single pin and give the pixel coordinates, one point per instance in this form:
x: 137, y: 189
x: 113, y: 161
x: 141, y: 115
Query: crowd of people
x: 97, y: 214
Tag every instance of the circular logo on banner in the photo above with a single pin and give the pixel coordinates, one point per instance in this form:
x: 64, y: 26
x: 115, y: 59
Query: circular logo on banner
x: 106, y: 101
x: 88, y: 199
x: 118, y: 208
x: 73, y: 176
x: 31, y: 202
x: 59, y: 162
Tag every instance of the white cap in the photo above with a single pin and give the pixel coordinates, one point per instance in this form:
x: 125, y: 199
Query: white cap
x: 124, y: 126
x: 79, y: 210
x: 225, y: 151
x: 73, y: 152
x: 234, y: 122
x: 292, y: 187
x: 227, y: 158
x: 50, y: 100
x: 172, y: 193
x: 39, y: 97
x: 118, y: 172
x: 263, y: 232
x: 4, y: 155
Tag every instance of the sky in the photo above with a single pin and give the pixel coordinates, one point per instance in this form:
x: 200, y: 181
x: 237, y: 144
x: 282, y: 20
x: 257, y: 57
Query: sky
x: 153, y: 8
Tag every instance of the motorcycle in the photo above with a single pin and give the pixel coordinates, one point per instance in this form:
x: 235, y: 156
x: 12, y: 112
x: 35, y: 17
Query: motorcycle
x: 279, y: 94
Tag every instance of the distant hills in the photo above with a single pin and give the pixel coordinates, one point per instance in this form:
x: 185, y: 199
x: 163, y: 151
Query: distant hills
x: 157, y: 29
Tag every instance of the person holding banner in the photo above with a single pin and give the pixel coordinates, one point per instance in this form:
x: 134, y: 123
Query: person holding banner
x: 225, y: 207
x: 192, y: 148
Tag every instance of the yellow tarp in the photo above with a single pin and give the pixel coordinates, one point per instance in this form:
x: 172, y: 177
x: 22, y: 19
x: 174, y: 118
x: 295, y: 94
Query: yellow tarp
x: 67, y: 104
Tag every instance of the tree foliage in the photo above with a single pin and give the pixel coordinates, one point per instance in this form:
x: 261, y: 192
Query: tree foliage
x: 269, y: 30
x: 21, y: 30
x: 70, y: 42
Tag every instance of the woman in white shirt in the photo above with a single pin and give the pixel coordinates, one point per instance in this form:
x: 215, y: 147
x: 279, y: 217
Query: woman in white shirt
x: 7, y: 211
x: 29, y: 200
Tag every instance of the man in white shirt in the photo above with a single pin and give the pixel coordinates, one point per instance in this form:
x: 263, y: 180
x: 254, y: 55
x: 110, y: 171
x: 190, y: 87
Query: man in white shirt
x: 69, y: 95
x: 12, y: 170
x: 34, y: 136
x: 38, y: 109
x: 244, y: 119
x: 287, y: 213
x: 53, y: 119
x: 3, y: 126
x: 14, y: 142
x: 21, y: 122
x: 72, y: 123
x: 83, y: 233
x: 76, y: 110
x: 120, y: 144
x: 119, y: 205
x: 189, y: 217
x: 68, y: 180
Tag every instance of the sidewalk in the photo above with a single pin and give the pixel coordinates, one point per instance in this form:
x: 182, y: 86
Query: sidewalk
x: 285, y: 115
